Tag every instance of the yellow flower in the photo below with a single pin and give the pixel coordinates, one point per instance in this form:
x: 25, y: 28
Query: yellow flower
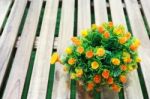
x: 94, y: 26
x: 84, y: 33
x: 130, y: 68
x: 68, y: 50
x: 110, y: 24
x: 54, y: 58
x: 117, y: 31
x: 72, y: 75
x: 115, y: 61
x: 79, y: 72
x: 137, y: 42
x: 100, y: 52
x: 95, y: 65
x: 138, y: 59
x: 80, y: 49
x: 71, y: 61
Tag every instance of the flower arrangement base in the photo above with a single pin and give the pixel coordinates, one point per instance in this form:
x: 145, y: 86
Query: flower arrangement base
x: 82, y: 94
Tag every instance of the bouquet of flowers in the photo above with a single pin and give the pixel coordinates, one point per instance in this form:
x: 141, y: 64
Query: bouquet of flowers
x: 100, y: 56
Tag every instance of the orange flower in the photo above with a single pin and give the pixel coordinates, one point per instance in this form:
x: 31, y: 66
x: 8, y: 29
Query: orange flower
x: 97, y: 79
x: 115, y: 61
x: 133, y: 47
x: 105, y: 74
x: 76, y: 41
x: 123, y: 67
x: 54, y: 58
x: 123, y: 78
x: 106, y: 35
x: 116, y: 88
x: 89, y: 54
x: 110, y: 80
x: 127, y: 60
x: 122, y: 40
x: 71, y: 61
x: 94, y: 65
x: 110, y: 24
x: 100, y: 29
x: 90, y: 86
x: 80, y: 49
x: 100, y: 52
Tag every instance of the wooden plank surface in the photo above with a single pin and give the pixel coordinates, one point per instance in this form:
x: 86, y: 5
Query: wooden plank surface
x: 100, y: 11
x: 61, y: 88
x: 84, y: 22
x: 139, y: 31
x: 133, y: 83
x: 17, y: 76
x: 84, y: 15
x: 146, y: 9
x: 8, y: 37
x: 39, y: 79
x: 4, y: 9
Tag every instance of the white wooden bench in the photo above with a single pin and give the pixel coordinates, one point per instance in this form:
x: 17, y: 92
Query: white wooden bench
x: 17, y: 50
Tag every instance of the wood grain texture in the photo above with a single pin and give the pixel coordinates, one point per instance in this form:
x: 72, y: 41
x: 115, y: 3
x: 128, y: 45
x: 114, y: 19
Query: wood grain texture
x: 20, y: 64
x: 117, y: 12
x: 118, y: 17
x: 40, y: 74
x: 146, y: 9
x: 4, y: 9
x: 139, y: 30
x: 84, y: 15
x: 8, y: 37
x: 84, y: 22
x: 100, y: 9
x: 61, y: 89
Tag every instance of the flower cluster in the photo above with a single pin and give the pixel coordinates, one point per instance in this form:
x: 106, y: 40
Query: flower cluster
x: 101, y: 56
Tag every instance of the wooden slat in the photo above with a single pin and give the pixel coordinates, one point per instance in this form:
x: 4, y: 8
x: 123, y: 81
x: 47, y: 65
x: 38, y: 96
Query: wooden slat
x: 17, y: 76
x: 117, y: 12
x: 100, y: 11
x: 7, y: 39
x: 61, y: 89
x: 4, y: 9
x: 133, y: 83
x: 37, y: 41
x: 84, y: 22
x: 39, y: 79
x: 84, y: 15
x: 146, y: 10
x: 139, y: 31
